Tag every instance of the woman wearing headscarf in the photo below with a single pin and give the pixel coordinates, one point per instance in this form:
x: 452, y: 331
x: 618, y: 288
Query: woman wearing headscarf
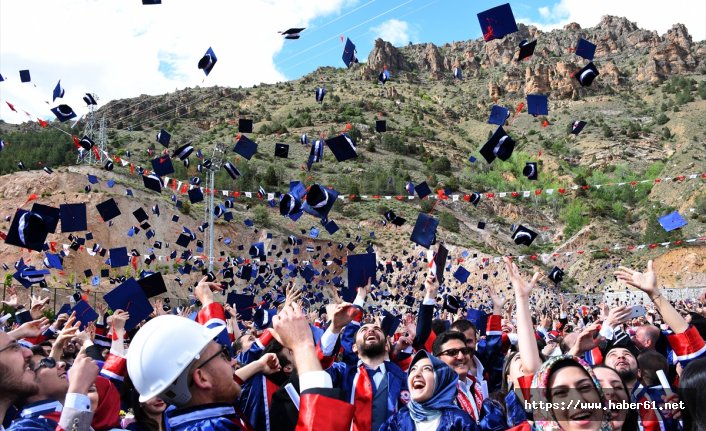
x: 105, y: 404
x: 432, y: 387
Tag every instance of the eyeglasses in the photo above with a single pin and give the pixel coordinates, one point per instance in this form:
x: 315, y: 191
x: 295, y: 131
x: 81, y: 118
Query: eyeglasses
x: 45, y: 363
x: 454, y: 352
x: 12, y: 346
x: 224, y: 353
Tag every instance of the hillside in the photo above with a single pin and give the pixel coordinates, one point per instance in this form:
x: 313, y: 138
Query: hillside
x: 645, y: 114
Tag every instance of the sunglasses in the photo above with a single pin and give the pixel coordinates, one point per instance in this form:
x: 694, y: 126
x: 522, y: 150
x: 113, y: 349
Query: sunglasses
x: 45, y: 363
x: 223, y: 353
x: 454, y: 352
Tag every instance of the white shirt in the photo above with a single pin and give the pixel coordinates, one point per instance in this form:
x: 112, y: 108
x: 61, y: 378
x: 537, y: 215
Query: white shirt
x: 431, y: 425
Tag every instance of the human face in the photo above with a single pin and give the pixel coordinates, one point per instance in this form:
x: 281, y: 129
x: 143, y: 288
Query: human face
x: 471, y: 339
x: 515, y: 371
x: 614, y: 391
x: 420, y: 380
x: 370, y: 340
x: 51, y: 379
x: 16, y: 375
x: 93, y: 397
x: 622, y: 361
x: 217, y: 365
x: 154, y: 406
x: 460, y: 362
x: 247, y: 342
x: 573, y: 384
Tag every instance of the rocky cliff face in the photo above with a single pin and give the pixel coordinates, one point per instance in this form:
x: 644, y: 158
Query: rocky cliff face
x: 625, y: 54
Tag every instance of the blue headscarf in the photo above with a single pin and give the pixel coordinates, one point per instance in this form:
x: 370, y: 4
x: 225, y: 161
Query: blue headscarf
x: 444, y: 394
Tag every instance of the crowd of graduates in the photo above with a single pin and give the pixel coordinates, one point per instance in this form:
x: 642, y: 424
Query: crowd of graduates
x: 537, y: 364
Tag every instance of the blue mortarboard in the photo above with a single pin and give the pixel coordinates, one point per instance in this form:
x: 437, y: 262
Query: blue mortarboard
x: 195, y: 195
x: 422, y: 190
x: 25, y: 76
x: 162, y: 166
x: 461, y: 274
x: 129, y: 297
x: 479, y: 319
x: 331, y: 227
x: 65, y: 309
x: 537, y: 104
x: 118, y: 257
x: 314, y: 232
x: 497, y: 22
x: 498, y: 115
x: 248, y: 223
x: 389, y: 324
x: 424, y: 232
x: 257, y: 249
x: 163, y: 137
x: 63, y: 112
x: 84, y: 313
x: 244, y: 304
x: 208, y: 61
x: 73, y: 217
x: 342, y: 147
x: 54, y: 261
x: 319, y: 200
x: 262, y: 318
x: 58, y: 91
x: 585, y: 49
x: 500, y: 145
x: 672, y: 221
x: 320, y: 92
x: 349, y: 53
x: 92, y: 179
x: 360, y: 268
x: 308, y: 273
x: 108, y: 210
x: 245, y: 147
x: 110, y: 183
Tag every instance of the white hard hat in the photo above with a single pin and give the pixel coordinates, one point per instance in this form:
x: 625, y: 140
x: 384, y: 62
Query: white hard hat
x: 160, y: 352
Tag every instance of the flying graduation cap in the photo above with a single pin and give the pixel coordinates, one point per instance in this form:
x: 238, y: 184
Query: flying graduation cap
x: 556, y: 275
x: 537, y: 104
x: 292, y: 33
x: 524, y: 236
x: 320, y: 93
x: 89, y: 99
x: 587, y: 74
x: 342, y: 147
x: 384, y: 76
x: 282, y: 151
x: 672, y: 221
x: 458, y: 73
x: 25, y: 76
x: 245, y: 147
x: 244, y: 125
x: 208, y: 61
x: 526, y: 49
x: 163, y: 137
x: 585, y: 49
x: 498, y: 115
x: 58, y: 91
x: 63, y: 113
x: 530, y: 170
x: 577, y: 126
x: 500, y: 145
x: 497, y: 22
x: 349, y: 53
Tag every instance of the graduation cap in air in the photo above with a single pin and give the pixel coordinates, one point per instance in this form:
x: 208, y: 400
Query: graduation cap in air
x: 140, y: 215
x: 89, y: 99
x: 243, y: 303
x: 331, y: 227
x: 232, y: 170
x: 479, y: 318
x: 524, y: 236
x: 530, y: 170
x: 108, y: 166
x: 147, y: 2
x: 208, y: 61
x: 389, y: 324
x: 461, y: 274
x: 498, y: 115
x: 289, y: 205
x: 245, y: 147
x: 384, y: 76
x: 48, y: 170
x: 86, y: 143
x: 319, y: 93
x: 586, y: 75
x: 458, y: 73
x: 73, y: 217
x: 162, y: 166
x: 497, y: 22
x: 282, y: 151
x: 537, y: 104
x: 153, y: 284
x: 183, y: 152
x: 672, y: 221
x: 21, y: 165
x: 475, y: 198
x: 292, y: 33
x: 25, y: 76
x: 63, y: 112
x: 451, y: 304
x: 438, y: 264
x: 304, y: 139
x: 424, y: 232
x: 556, y: 275
x: 108, y: 209
x: 381, y: 126
x: 58, y: 91
x: 163, y: 137
x: 342, y: 147
x: 257, y: 250
x: 195, y: 195
x: 319, y: 200
x: 577, y: 126
x: 244, y: 125
x: 118, y: 257
x: 422, y: 190
x: 349, y: 53
x: 128, y: 296
x: 394, y: 218
x: 316, y: 154
x: 585, y: 49
x: 360, y: 268
x: 499, y: 145
x: 28, y: 230
x: 152, y: 182
x: 84, y: 312
x: 526, y: 49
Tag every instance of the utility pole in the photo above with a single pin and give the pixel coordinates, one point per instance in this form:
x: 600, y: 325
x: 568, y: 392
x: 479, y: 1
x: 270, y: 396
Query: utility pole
x: 217, y: 158
x: 101, y: 142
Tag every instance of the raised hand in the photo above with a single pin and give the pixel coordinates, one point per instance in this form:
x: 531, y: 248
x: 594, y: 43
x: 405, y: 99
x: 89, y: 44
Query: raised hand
x: 82, y: 374
x: 13, y: 301
x: 292, y: 293
x: 498, y: 301
x: 269, y: 363
x: 647, y: 281
x: 30, y: 329
x: 431, y: 287
x: 520, y: 285
x: 37, y: 304
x: 204, y: 291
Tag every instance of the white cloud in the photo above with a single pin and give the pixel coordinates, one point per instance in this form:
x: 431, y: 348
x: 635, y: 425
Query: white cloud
x: 648, y: 15
x: 121, y: 49
x: 394, y: 31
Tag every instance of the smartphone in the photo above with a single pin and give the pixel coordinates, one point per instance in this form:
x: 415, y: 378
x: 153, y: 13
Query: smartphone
x: 637, y: 311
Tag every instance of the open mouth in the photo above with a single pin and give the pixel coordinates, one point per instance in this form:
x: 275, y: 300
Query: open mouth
x: 581, y: 416
x: 418, y: 384
x: 371, y: 339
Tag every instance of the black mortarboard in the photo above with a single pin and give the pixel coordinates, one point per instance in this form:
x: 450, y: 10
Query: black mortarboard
x: 86, y: 143
x: 319, y: 93
x: 244, y: 125
x: 152, y: 182
x: 556, y: 275
x: 63, y: 113
x: 524, y: 236
x: 129, y: 297
x: 498, y: 115
x: 389, y: 324
x: 163, y: 137
x: 232, y: 171
x: 381, y: 126
x: 208, y: 61
x: 89, y: 99
x: 331, y: 227
x: 293, y: 33
x: 28, y: 230
x: 526, y: 49
x: 451, y: 304
x: 162, y: 166
x: 586, y: 75
x: 183, y: 152
x: 282, y: 150
x: 481, y: 225
x: 153, y: 285
x: 424, y: 232
x: 475, y: 198
x: 585, y: 49
x: 25, y: 76
x: 499, y: 145
x: 349, y: 53
x: 108, y: 210
x: 108, y: 166
x: 440, y: 262
x: 461, y: 274
x: 140, y: 215
x: 577, y: 126
x: 245, y: 147
x: 118, y: 257
x: 342, y: 147
x: 195, y: 195
x: 530, y: 170
x: 422, y: 190
x: 497, y: 22
x: 244, y: 304
x: 320, y: 200
x: 537, y: 104
x: 73, y: 217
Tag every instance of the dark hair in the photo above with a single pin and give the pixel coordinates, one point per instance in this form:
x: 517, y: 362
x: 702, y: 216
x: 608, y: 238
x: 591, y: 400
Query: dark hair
x: 691, y: 390
x: 632, y: 417
x: 649, y: 362
x: 445, y: 337
x: 463, y: 325
x: 38, y: 350
x: 438, y: 326
x: 130, y: 397
x: 504, y: 385
x: 275, y: 347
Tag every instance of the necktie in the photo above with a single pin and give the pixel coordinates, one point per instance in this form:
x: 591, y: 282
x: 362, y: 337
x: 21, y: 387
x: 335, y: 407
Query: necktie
x: 363, y: 401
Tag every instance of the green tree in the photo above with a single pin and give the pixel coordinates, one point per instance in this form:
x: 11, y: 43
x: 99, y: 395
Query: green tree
x: 261, y: 216
x: 448, y: 221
